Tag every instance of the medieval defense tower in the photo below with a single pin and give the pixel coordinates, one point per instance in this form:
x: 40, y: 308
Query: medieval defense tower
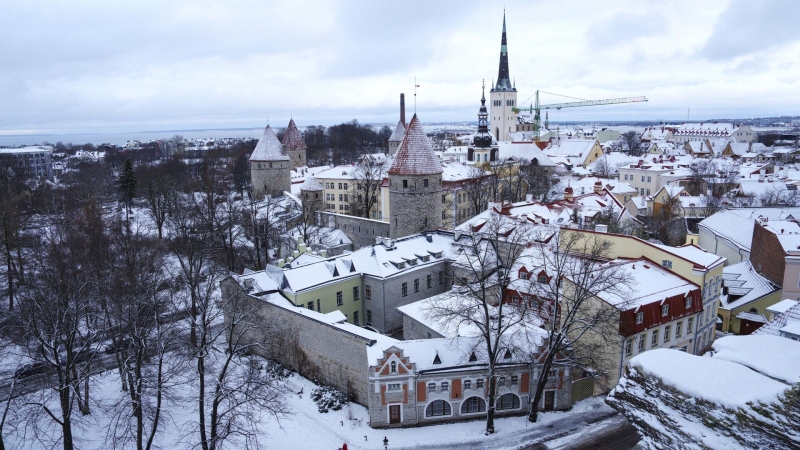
x: 503, y: 96
x: 270, y: 166
x: 294, y: 145
x: 415, y: 185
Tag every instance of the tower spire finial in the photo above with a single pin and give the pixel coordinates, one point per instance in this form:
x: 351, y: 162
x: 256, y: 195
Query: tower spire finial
x: 503, y: 78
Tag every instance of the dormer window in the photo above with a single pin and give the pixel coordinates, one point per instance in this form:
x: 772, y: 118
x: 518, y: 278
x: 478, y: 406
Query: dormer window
x: 639, y: 317
x: 523, y: 274
x: 542, y: 278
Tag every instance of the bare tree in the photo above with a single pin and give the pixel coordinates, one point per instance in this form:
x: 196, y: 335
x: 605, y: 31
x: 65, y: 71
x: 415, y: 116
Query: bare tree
x: 578, y: 331
x: 264, y: 223
x: 703, y: 171
x: 367, y: 177
x: 477, y: 301
x: 161, y: 195
x: 15, y: 213
x: 538, y: 180
x: 478, y: 189
x: 604, y: 169
x: 233, y: 389
x: 632, y: 143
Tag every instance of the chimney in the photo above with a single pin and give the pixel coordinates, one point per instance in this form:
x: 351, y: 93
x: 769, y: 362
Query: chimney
x: 403, y: 108
x: 568, y: 194
x: 598, y: 187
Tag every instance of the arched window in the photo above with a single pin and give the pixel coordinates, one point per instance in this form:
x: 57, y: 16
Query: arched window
x: 393, y: 367
x: 439, y: 408
x: 473, y: 405
x: 508, y: 401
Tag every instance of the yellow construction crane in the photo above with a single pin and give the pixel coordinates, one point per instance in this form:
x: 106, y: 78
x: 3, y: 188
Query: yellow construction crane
x: 536, y: 109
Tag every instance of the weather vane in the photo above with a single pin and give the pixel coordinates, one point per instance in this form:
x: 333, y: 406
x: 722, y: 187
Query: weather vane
x: 415, y: 95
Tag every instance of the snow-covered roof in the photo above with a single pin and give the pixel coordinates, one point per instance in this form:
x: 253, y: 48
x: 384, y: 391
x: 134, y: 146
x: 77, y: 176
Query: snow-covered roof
x: 715, y: 380
x: 773, y: 356
x: 693, y: 253
x: 577, y: 148
x: 757, y: 188
x: 378, y: 260
x: 744, y: 285
x: 415, y: 156
x: 587, y: 184
x: 269, y: 148
x: 526, y: 151
x: 293, y: 139
x: 736, y: 225
x: 782, y: 306
x: 420, y: 310
x: 345, y: 172
x: 311, y: 184
x: 648, y: 283
x: 458, y: 171
x: 398, y: 133
x: 30, y: 149
x: 752, y: 317
x: 778, y: 325
x: 722, y: 129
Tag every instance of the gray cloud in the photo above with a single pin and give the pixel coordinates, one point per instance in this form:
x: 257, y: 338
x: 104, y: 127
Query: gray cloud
x: 747, y: 27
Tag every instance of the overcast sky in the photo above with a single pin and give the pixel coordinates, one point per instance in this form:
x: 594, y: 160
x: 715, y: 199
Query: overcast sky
x: 82, y: 66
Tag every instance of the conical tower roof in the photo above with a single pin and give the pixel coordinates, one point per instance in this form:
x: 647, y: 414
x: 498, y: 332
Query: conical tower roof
x: 311, y: 184
x: 399, y: 132
x: 415, y: 156
x: 293, y: 138
x: 503, y: 77
x: 269, y: 148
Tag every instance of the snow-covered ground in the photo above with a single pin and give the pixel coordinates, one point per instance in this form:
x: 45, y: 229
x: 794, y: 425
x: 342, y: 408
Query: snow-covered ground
x: 306, y: 428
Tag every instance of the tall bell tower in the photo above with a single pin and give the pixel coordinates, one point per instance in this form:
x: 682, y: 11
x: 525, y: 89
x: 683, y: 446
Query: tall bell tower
x: 503, y: 96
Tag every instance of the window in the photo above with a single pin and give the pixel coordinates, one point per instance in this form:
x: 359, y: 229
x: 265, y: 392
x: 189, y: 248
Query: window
x: 369, y: 317
x: 689, y: 325
x: 355, y: 318
x: 626, y: 177
x: 654, y: 339
x: 688, y: 302
x: 666, y: 264
x: 473, y: 405
x: 428, y: 334
x: 441, y: 277
x: 425, y: 182
x: 405, y: 289
x: 416, y: 284
x: 501, y: 381
x: 438, y: 408
x: 311, y: 305
x: 393, y: 387
x: 345, y: 186
x: 467, y: 384
x: 514, y: 380
x: 431, y: 387
x: 648, y: 192
x: 479, y: 383
x: 445, y: 386
x: 639, y: 317
x: 393, y: 367
x: 444, y: 199
x: 642, y: 338
x: 642, y: 177
x: 339, y: 298
x: 355, y: 293
x: 628, y: 347
x: 678, y: 330
x: 340, y: 185
x: 428, y: 281
x: 542, y: 278
x: 508, y: 401
x: 413, y: 325
x: 664, y: 310
x: 368, y: 292
x: 667, y: 332
x: 648, y: 179
x: 405, y: 184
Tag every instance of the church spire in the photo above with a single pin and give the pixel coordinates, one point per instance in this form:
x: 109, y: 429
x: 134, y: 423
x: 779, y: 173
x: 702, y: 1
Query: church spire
x: 503, y: 77
x: 482, y: 138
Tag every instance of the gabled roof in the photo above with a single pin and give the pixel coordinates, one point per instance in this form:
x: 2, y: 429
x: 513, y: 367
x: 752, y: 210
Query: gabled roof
x: 311, y: 184
x: 744, y: 285
x: 399, y: 132
x: 269, y: 148
x: 415, y: 156
x: 293, y: 139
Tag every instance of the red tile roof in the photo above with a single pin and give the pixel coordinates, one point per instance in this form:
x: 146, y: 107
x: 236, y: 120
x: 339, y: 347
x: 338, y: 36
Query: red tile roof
x: 293, y: 139
x: 415, y: 155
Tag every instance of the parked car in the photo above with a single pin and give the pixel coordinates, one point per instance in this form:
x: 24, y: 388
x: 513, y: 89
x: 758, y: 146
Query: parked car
x: 29, y: 370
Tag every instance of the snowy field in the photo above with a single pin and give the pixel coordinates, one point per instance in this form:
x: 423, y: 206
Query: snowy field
x: 305, y: 427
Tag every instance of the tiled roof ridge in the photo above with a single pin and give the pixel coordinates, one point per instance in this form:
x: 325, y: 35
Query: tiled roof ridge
x: 415, y: 156
x: 293, y: 139
x: 269, y: 148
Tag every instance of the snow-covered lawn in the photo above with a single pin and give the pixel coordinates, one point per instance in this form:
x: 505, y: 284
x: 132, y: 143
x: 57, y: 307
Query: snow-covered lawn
x: 306, y: 428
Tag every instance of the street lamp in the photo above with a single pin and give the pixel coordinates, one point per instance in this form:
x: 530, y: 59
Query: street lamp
x: 385, y: 443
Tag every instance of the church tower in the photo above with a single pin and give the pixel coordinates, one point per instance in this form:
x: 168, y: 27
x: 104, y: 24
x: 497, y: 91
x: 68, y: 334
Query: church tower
x: 269, y: 167
x: 415, y: 185
x: 503, y: 96
x: 294, y: 145
x: 482, y: 150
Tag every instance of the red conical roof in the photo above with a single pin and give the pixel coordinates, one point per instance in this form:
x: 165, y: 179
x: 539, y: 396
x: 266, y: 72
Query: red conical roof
x: 293, y: 139
x: 415, y: 155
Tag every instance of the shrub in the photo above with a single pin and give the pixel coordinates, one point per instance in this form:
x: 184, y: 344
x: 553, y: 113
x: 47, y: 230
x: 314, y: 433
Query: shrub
x: 328, y: 398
